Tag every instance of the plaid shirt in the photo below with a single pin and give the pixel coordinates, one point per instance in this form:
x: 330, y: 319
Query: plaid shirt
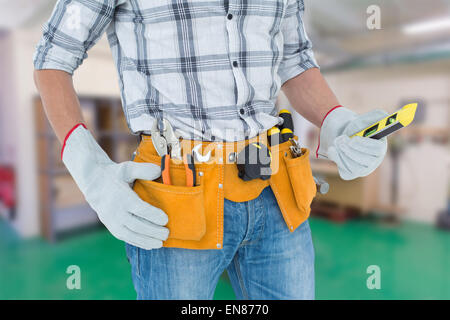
x: 213, y: 68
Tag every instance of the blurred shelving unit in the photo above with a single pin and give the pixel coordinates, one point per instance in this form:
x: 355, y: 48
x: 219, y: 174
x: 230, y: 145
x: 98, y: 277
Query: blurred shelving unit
x: 63, y: 209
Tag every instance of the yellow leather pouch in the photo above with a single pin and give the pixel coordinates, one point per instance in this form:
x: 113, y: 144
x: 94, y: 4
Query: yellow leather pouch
x: 195, y: 213
x: 302, y: 181
x: 183, y: 205
x: 293, y: 185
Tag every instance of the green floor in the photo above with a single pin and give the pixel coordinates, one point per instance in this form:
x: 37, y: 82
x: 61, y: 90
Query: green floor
x: 414, y: 261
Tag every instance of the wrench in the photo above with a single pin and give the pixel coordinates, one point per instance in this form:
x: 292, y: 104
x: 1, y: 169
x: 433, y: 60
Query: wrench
x: 198, y: 155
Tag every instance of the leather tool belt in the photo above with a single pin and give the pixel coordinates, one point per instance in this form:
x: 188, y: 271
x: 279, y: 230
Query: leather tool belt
x: 196, y: 213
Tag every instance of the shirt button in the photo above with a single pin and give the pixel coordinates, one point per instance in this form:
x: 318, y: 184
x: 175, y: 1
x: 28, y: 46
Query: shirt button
x: 242, y: 111
x: 229, y: 16
x: 235, y: 64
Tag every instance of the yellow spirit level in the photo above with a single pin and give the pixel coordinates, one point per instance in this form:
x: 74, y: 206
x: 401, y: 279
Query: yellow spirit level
x: 390, y: 124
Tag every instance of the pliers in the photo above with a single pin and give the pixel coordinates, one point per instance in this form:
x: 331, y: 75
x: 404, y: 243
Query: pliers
x: 188, y: 161
x: 167, y: 145
x: 164, y: 138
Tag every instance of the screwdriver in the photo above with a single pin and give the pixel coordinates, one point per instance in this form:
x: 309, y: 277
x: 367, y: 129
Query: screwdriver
x: 274, y: 136
x: 287, y: 127
x: 188, y: 161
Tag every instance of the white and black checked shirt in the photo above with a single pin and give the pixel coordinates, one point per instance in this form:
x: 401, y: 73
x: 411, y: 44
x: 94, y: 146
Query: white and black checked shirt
x: 213, y: 68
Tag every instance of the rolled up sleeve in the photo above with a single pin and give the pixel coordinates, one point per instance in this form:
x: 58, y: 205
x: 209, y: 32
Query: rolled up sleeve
x: 297, y: 50
x: 73, y: 28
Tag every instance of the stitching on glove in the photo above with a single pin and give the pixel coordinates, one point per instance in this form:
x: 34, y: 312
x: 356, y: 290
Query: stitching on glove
x: 68, y: 134
x: 323, y: 120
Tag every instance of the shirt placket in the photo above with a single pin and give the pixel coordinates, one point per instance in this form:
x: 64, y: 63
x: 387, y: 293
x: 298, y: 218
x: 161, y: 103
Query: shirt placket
x: 234, y: 45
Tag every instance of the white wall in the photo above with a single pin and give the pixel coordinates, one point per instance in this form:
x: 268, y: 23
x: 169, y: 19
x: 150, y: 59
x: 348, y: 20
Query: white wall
x: 7, y: 102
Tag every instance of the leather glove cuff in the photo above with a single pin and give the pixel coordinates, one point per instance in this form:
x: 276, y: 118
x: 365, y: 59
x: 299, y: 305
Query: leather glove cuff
x: 68, y: 135
x: 333, y: 125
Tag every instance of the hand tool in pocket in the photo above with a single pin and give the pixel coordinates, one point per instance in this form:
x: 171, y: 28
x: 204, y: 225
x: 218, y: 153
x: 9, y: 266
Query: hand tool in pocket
x: 282, y: 132
x: 159, y: 142
x: 199, y: 157
x: 287, y: 133
x: 390, y: 124
x: 287, y: 125
x: 274, y: 136
x: 296, y: 149
x: 189, y: 168
x: 165, y: 138
x: 188, y: 160
x: 165, y: 169
x: 253, y: 162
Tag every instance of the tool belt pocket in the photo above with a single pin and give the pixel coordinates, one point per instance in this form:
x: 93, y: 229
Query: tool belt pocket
x: 293, y: 185
x: 302, y: 181
x: 183, y: 205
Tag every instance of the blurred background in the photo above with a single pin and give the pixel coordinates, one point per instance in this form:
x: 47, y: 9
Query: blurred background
x: 396, y: 219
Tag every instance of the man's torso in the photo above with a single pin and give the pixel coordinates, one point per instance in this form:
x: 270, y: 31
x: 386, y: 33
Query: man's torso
x: 209, y: 67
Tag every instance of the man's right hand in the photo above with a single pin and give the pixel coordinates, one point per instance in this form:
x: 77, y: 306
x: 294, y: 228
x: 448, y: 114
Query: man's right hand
x: 355, y: 157
x: 106, y: 187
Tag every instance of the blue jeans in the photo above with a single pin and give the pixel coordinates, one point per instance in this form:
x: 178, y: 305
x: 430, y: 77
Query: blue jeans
x: 263, y: 259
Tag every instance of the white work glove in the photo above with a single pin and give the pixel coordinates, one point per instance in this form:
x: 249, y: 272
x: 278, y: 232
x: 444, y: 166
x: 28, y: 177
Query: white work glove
x: 355, y: 157
x: 106, y: 187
